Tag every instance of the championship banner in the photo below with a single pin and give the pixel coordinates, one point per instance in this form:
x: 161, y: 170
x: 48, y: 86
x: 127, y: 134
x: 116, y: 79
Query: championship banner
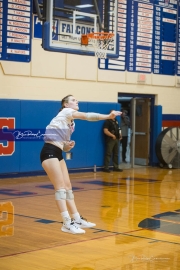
x: 140, y: 37
x: 15, y: 30
x: 165, y: 37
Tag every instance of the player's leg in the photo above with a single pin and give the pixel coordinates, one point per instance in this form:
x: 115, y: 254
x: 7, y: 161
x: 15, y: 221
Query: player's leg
x: 78, y: 219
x: 54, y: 171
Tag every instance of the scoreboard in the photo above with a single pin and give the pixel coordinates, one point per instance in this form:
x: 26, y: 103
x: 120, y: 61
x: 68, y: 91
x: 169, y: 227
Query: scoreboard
x: 149, y: 37
x: 15, y: 30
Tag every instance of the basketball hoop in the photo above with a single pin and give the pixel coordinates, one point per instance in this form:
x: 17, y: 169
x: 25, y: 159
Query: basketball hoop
x: 100, y: 41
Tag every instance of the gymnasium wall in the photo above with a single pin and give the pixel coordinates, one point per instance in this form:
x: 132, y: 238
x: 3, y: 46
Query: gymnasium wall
x: 51, y: 76
x: 31, y: 92
x: 23, y: 156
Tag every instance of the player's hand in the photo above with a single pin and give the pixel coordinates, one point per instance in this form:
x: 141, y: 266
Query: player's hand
x: 68, y: 146
x: 113, y: 114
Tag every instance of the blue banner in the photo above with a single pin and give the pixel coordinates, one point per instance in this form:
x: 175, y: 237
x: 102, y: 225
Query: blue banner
x: 164, y: 45
x: 178, y: 43
x: 15, y: 30
x: 140, y: 37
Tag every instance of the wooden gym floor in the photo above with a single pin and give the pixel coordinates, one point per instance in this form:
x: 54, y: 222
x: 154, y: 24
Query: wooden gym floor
x: 137, y: 213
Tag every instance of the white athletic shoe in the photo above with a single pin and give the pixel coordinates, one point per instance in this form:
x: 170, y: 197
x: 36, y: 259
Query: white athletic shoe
x: 72, y: 228
x: 83, y: 223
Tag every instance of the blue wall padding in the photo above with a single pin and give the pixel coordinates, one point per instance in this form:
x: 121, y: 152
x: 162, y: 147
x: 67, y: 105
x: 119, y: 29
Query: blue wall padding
x: 10, y: 109
x: 32, y: 114
x: 171, y: 117
x: 157, y: 128
x: 89, y: 137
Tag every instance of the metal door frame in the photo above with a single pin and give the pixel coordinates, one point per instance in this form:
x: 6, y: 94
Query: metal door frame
x: 134, y: 96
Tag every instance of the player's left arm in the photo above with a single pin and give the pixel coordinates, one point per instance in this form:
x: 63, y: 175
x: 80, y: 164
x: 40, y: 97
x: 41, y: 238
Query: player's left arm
x: 68, y: 145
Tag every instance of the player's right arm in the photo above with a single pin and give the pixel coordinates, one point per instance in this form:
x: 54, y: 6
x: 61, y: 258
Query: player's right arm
x: 95, y: 116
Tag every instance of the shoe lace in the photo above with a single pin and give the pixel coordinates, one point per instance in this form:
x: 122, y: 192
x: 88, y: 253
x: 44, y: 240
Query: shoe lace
x: 83, y: 218
x: 73, y: 223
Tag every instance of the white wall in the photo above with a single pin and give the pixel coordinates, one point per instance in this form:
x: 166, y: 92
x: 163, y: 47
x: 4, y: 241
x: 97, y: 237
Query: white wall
x: 51, y: 76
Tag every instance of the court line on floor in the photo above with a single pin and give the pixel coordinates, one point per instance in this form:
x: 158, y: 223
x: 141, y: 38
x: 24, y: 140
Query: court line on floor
x: 84, y: 190
x: 81, y: 241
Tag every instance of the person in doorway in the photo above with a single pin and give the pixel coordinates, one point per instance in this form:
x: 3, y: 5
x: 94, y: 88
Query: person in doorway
x: 112, y: 136
x: 57, y: 139
x: 125, y: 124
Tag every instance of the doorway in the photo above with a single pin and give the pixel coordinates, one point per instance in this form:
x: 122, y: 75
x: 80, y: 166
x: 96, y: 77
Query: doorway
x: 140, y: 110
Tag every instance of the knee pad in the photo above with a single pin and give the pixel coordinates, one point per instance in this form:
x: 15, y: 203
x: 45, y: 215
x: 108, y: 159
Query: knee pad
x: 69, y: 195
x: 60, y: 194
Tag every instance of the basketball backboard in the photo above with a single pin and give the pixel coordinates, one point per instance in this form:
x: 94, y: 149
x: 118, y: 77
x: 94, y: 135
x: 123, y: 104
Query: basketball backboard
x: 67, y: 20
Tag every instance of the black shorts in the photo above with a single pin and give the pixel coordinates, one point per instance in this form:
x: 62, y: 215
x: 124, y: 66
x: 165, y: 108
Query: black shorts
x: 50, y: 151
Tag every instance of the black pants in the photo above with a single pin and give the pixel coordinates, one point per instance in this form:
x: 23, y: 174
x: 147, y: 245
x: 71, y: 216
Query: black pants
x: 124, y: 147
x: 112, y: 149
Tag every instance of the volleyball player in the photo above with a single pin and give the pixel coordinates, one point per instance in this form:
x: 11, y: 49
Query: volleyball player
x: 57, y: 139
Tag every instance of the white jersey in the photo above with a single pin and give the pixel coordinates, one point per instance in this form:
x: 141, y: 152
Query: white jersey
x: 60, y: 128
